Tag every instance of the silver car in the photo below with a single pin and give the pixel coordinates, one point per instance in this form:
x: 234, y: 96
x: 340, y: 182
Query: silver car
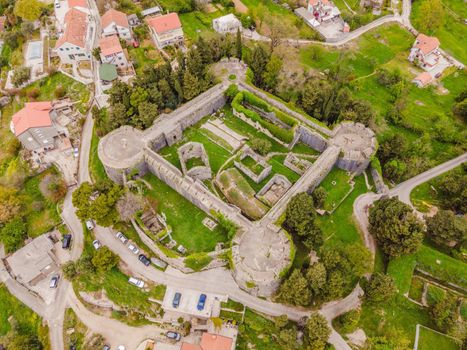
x: 133, y: 248
x: 121, y: 237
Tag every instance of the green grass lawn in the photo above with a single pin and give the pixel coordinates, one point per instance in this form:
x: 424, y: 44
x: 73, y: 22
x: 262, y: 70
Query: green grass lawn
x: 337, y: 186
x: 96, y: 168
x: 9, y: 144
x: 197, y: 22
x: 144, y: 56
x: 27, y: 321
x: 429, y: 339
x: 416, y: 289
x: 184, y: 218
x: 251, y: 164
x: 434, y: 294
x: 453, y: 29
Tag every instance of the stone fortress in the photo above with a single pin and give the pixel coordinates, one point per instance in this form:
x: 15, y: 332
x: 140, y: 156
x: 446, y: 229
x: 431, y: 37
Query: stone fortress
x: 261, y: 249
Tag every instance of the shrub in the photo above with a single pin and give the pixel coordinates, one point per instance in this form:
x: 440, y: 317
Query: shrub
x: 261, y: 146
x: 59, y: 91
x: 33, y: 93
x: 20, y: 76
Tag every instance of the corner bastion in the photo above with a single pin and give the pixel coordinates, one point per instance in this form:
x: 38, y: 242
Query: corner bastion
x: 260, y: 250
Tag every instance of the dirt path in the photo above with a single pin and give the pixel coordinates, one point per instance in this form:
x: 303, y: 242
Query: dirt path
x: 240, y: 6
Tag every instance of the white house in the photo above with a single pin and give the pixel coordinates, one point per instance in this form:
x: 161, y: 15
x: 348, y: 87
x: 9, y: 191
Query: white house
x: 116, y: 23
x: 75, y: 43
x: 112, y: 51
x: 425, y: 51
x: 323, y: 10
x: 61, y: 8
x: 227, y: 24
x: 166, y: 30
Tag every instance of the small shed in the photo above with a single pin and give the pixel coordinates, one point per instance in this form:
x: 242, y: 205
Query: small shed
x: 156, y: 10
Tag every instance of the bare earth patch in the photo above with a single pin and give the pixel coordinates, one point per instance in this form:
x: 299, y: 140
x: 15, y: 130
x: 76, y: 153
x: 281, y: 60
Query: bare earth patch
x: 240, y: 6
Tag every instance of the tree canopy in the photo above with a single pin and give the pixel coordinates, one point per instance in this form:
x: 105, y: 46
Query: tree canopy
x: 380, y: 287
x: 29, y: 10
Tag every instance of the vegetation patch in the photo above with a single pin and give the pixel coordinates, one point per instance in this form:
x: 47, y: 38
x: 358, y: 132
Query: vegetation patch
x: 431, y: 339
x: 197, y: 261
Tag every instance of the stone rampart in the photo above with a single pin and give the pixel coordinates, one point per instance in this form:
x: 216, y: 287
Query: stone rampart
x: 257, y: 178
x: 296, y: 164
x: 194, y: 150
x: 312, y: 139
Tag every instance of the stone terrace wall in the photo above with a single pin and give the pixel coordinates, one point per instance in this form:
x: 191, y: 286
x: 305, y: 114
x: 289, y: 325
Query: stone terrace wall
x: 194, y: 150
x: 312, y: 139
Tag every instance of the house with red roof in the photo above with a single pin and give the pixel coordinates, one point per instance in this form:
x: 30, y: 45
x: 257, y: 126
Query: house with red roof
x: 114, y: 22
x: 112, y: 51
x: 75, y: 43
x: 323, y: 10
x: 34, y: 126
x: 211, y: 341
x: 425, y: 52
x: 423, y: 79
x: 165, y: 30
x: 62, y: 7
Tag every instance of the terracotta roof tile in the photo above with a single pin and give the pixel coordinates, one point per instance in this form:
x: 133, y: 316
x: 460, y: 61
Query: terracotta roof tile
x: 110, y: 45
x: 114, y: 16
x: 33, y: 115
x: 424, y: 78
x: 76, y: 27
x: 78, y: 3
x: 187, y: 346
x: 164, y: 23
x: 211, y: 341
x: 426, y: 43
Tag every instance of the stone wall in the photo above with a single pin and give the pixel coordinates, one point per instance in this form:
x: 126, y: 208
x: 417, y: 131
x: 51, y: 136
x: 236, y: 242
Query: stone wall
x: 296, y: 164
x: 312, y: 139
x: 248, y: 152
x: 194, y: 150
x: 274, y: 189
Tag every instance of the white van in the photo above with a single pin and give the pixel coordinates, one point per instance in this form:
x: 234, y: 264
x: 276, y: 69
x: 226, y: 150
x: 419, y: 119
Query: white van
x: 89, y: 224
x: 136, y: 282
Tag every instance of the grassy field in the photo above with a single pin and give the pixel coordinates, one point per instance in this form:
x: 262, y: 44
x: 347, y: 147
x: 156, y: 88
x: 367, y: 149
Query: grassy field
x: 337, y: 186
x: 184, y: 218
x: 72, y: 322
x: 143, y: 56
x: 416, y: 289
x: 452, y: 30
x: 9, y: 144
x: 96, y: 168
x: 198, y: 22
x: 28, y: 321
x: 429, y: 339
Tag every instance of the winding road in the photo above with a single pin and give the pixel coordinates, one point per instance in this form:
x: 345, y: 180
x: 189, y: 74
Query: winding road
x: 219, y: 281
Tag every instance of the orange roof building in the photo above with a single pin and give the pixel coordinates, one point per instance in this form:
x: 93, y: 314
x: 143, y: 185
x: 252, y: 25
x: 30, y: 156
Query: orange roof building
x: 73, y: 44
x: 34, y: 127
x: 210, y: 341
x: 112, y: 51
x: 116, y: 22
x: 423, y: 79
x: 78, y: 3
x: 166, y: 30
x: 426, y: 44
x: 425, y: 51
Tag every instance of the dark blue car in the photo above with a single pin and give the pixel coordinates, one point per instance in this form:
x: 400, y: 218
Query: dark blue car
x: 201, y: 302
x: 176, y: 300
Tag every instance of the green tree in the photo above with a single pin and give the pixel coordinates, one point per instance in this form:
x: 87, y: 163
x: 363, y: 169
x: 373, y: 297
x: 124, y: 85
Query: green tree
x: 432, y: 16
x: 194, y: 63
x: 299, y: 209
x: 295, y: 290
x: 281, y: 321
x: 147, y: 113
x: 29, y: 10
x: 288, y: 338
x: 271, y: 73
x: 445, y: 313
x: 27, y: 28
x: 395, y: 226
x: 118, y: 116
x: 69, y: 270
x: 349, y: 320
x: 257, y: 63
x: 238, y: 45
x: 104, y: 259
x: 452, y: 189
x: 138, y: 96
x: 316, y: 277
x: 380, y: 287
x: 319, y: 196
x: 191, y: 86
x: 445, y: 229
x: 261, y: 146
x: 24, y: 341
x: 317, y: 331
x: 13, y: 234
x: 20, y: 76
x: 311, y: 234
x: 80, y: 200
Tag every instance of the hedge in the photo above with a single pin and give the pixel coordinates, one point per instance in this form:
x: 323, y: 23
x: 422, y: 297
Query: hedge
x: 282, y: 134
x: 258, y: 102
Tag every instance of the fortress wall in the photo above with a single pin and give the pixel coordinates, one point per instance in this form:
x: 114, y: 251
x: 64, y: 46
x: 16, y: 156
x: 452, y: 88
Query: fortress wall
x: 191, y: 189
x: 312, y: 139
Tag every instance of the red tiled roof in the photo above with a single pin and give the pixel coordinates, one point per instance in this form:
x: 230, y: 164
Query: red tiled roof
x: 115, y: 16
x: 110, y: 45
x: 187, y: 346
x: 164, y: 23
x: 315, y: 2
x: 426, y: 43
x: 424, y: 78
x: 33, y: 115
x: 211, y: 341
x: 76, y: 26
x: 78, y: 3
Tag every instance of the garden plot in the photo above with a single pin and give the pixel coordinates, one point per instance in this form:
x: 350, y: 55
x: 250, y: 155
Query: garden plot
x: 237, y: 190
x: 429, y: 339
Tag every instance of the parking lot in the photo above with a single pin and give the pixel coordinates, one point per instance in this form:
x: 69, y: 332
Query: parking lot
x: 189, y: 302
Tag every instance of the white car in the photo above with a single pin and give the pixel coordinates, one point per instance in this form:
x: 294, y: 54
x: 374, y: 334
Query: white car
x: 136, y: 282
x: 89, y: 224
x: 96, y: 244
x: 121, y: 237
x: 133, y: 248
x: 120, y: 347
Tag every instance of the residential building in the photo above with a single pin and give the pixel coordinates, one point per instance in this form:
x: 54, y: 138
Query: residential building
x: 112, y: 51
x: 423, y: 79
x: 75, y: 43
x: 210, y: 341
x: 34, y: 262
x: 227, y: 24
x: 166, y: 30
x: 323, y: 10
x: 62, y: 7
x: 116, y: 23
x: 34, y: 126
x: 425, y: 52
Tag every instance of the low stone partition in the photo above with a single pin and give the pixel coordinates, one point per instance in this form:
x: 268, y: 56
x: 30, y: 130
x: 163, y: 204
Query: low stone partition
x: 296, y: 164
x: 192, y: 150
x: 312, y: 139
x: 257, y: 178
x: 274, y: 189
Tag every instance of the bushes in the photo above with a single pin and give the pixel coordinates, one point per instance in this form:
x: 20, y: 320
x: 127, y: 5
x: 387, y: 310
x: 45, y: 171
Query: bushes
x: 197, y: 261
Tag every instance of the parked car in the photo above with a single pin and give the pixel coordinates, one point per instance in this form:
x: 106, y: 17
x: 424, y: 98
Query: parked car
x: 121, y: 237
x: 57, y: 5
x: 66, y: 241
x: 144, y: 259
x: 173, y: 335
x: 136, y: 282
x: 54, y: 281
x: 120, y: 347
x: 106, y: 347
x: 76, y: 152
x: 133, y: 248
x: 96, y: 244
x: 89, y: 224
x: 176, y: 300
x: 201, y: 302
